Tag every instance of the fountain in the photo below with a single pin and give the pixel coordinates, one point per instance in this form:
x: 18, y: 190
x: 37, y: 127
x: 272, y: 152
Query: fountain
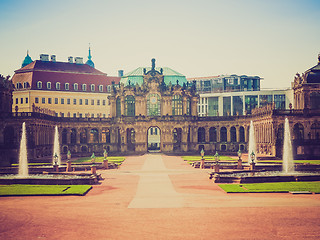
x: 287, y: 158
x: 23, y: 154
x: 252, y: 143
x: 56, y: 148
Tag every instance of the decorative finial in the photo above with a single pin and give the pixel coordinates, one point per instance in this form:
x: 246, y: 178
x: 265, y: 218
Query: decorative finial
x: 89, y: 57
x: 153, y: 61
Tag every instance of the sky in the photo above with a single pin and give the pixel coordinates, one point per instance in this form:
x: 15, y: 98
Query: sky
x: 273, y: 39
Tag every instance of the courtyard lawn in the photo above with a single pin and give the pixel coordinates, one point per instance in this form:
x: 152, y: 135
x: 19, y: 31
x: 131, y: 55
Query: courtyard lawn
x: 50, y: 190
x: 191, y: 159
x: 117, y: 160
x: 272, y: 187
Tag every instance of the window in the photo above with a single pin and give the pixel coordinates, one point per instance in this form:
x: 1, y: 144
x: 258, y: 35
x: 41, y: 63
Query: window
x: 103, y: 102
x: 188, y: 107
x: 98, y: 102
x: 92, y: 87
x: 36, y: 100
x: 80, y: 101
x: 68, y: 100
x: 233, y: 134
x: 58, y: 86
x: 212, y: 134
x: 48, y: 85
x: 118, y: 107
x: 17, y: 100
x: 25, y: 85
x: 62, y: 100
x: 176, y: 105
x: 223, y: 134
x: 39, y: 84
x: 17, y: 85
x: 201, y: 135
x: 74, y: 101
x: 80, y: 115
x: 86, y: 101
x: 109, y: 88
x: 43, y: 100
x: 84, y: 87
x: 62, y: 114
x: 92, y: 101
x: 27, y: 100
x: 100, y: 88
x: 251, y: 102
x: 21, y: 100
x: 153, y: 105
x: 74, y: 115
x: 75, y: 86
x: 56, y: 101
x: 237, y: 105
x: 265, y: 100
x: 66, y: 86
x: 213, y: 106
x: 49, y: 100
x: 130, y: 106
x: 226, y: 106
x: 280, y: 101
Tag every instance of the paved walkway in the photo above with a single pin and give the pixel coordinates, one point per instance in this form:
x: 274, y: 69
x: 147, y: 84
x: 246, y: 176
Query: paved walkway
x: 160, y: 197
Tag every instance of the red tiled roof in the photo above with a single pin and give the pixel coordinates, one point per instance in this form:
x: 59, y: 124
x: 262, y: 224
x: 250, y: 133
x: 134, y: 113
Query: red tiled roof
x: 54, y: 72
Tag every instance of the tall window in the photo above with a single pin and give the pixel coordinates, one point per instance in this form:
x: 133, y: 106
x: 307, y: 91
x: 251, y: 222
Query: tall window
x: 100, y: 88
x: 226, y: 106
x: 48, y: 85
x: 92, y: 86
x: 251, y: 102
x: 75, y: 86
x: 188, y: 106
x: 233, y: 134
x: 94, y: 135
x: 223, y: 134
x: 298, y: 131
x: 25, y: 85
x: 241, y: 134
x: 130, y: 106
x: 58, y: 86
x: 66, y: 86
x: 176, y: 105
x: 212, y: 134
x: 118, y: 107
x: 84, y: 87
x: 39, y: 84
x: 315, y: 100
x: 201, y: 135
x: 73, y: 136
x: 153, y: 105
x: 237, y: 105
x: 280, y: 101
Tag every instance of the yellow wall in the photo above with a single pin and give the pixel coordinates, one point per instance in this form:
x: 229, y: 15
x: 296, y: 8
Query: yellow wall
x: 63, y: 108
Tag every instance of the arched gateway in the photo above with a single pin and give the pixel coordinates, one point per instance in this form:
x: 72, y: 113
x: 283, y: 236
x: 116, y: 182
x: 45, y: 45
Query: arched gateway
x: 154, y: 136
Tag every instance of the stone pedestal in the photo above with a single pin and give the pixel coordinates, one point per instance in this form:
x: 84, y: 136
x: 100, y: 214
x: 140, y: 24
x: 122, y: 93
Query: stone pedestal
x: 216, y: 167
x: 239, y: 164
x: 93, y: 169
x: 252, y: 166
x: 56, y: 168
x: 202, y: 163
x: 69, y: 166
x: 105, y: 164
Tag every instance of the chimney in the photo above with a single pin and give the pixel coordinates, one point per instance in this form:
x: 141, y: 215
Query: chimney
x: 44, y: 57
x: 53, y: 58
x: 70, y: 59
x: 78, y: 60
x: 120, y: 73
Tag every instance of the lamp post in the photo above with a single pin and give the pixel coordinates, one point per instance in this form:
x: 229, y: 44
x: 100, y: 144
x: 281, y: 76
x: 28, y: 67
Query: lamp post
x: 69, y: 161
x: 239, y: 160
x: 216, y: 166
x: 252, y: 164
x: 105, y: 160
x: 69, y: 155
x: 202, y: 159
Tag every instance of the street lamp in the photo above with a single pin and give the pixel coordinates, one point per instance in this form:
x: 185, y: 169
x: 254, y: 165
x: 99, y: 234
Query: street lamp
x: 202, y: 153
x: 239, y: 154
x: 93, y: 158
x: 216, y: 157
x: 252, y: 156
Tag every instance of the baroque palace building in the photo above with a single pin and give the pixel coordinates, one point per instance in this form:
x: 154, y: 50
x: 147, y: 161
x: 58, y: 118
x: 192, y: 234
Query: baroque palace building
x: 151, y: 109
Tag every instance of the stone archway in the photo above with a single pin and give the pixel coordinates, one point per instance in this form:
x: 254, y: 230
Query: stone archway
x: 154, y: 136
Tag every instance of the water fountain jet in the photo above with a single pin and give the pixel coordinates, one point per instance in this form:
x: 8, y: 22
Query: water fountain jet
x: 252, y: 143
x: 56, y: 148
x: 23, y: 154
x: 287, y: 157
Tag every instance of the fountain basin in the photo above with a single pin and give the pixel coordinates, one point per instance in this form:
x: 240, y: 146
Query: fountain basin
x: 51, y: 179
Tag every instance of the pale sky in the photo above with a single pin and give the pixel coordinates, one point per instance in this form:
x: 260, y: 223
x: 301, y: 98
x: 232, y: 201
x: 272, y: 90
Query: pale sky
x: 273, y: 39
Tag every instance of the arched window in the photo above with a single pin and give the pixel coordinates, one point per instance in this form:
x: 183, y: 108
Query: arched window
x: 92, y: 87
x: 176, y: 105
x: 84, y: 87
x: 233, y: 134
x: 153, y: 105
x: 100, y: 88
x: 75, y: 87
x: 48, y: 85
x: 25, y: 85
x: 106, y: 136
x: 315, y: 100
x: 118, y: 107
x: 212, y: 134
x: 188, y: 106
x: 64, y: 135
x: 39, y: 85
x: 94, y: 135
x: 130, y: 106
x: 201, y: 135
x: 223, y: 134
x: 298, y: 131
x: 17, y: 85
x: 280, y: 133
x: 66, y: 86
x: 315, y: 131
x: 58, y: 86
x: 241, y: 132
x: 73, y: 136
x: 83, y: 136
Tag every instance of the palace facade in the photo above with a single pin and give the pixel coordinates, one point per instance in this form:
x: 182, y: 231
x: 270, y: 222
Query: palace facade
x: 156, y: 109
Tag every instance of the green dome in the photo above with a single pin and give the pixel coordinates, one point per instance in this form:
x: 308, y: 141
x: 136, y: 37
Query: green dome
x: 27, y: 60
x: 170, y: 76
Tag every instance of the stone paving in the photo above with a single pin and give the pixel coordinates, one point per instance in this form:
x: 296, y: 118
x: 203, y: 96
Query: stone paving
x: 160, y: 197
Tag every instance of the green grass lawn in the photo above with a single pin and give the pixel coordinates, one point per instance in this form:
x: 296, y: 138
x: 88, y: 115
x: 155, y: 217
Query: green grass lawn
x: 117, y: 160
x: 31, y: 190
x: 271, y: 187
